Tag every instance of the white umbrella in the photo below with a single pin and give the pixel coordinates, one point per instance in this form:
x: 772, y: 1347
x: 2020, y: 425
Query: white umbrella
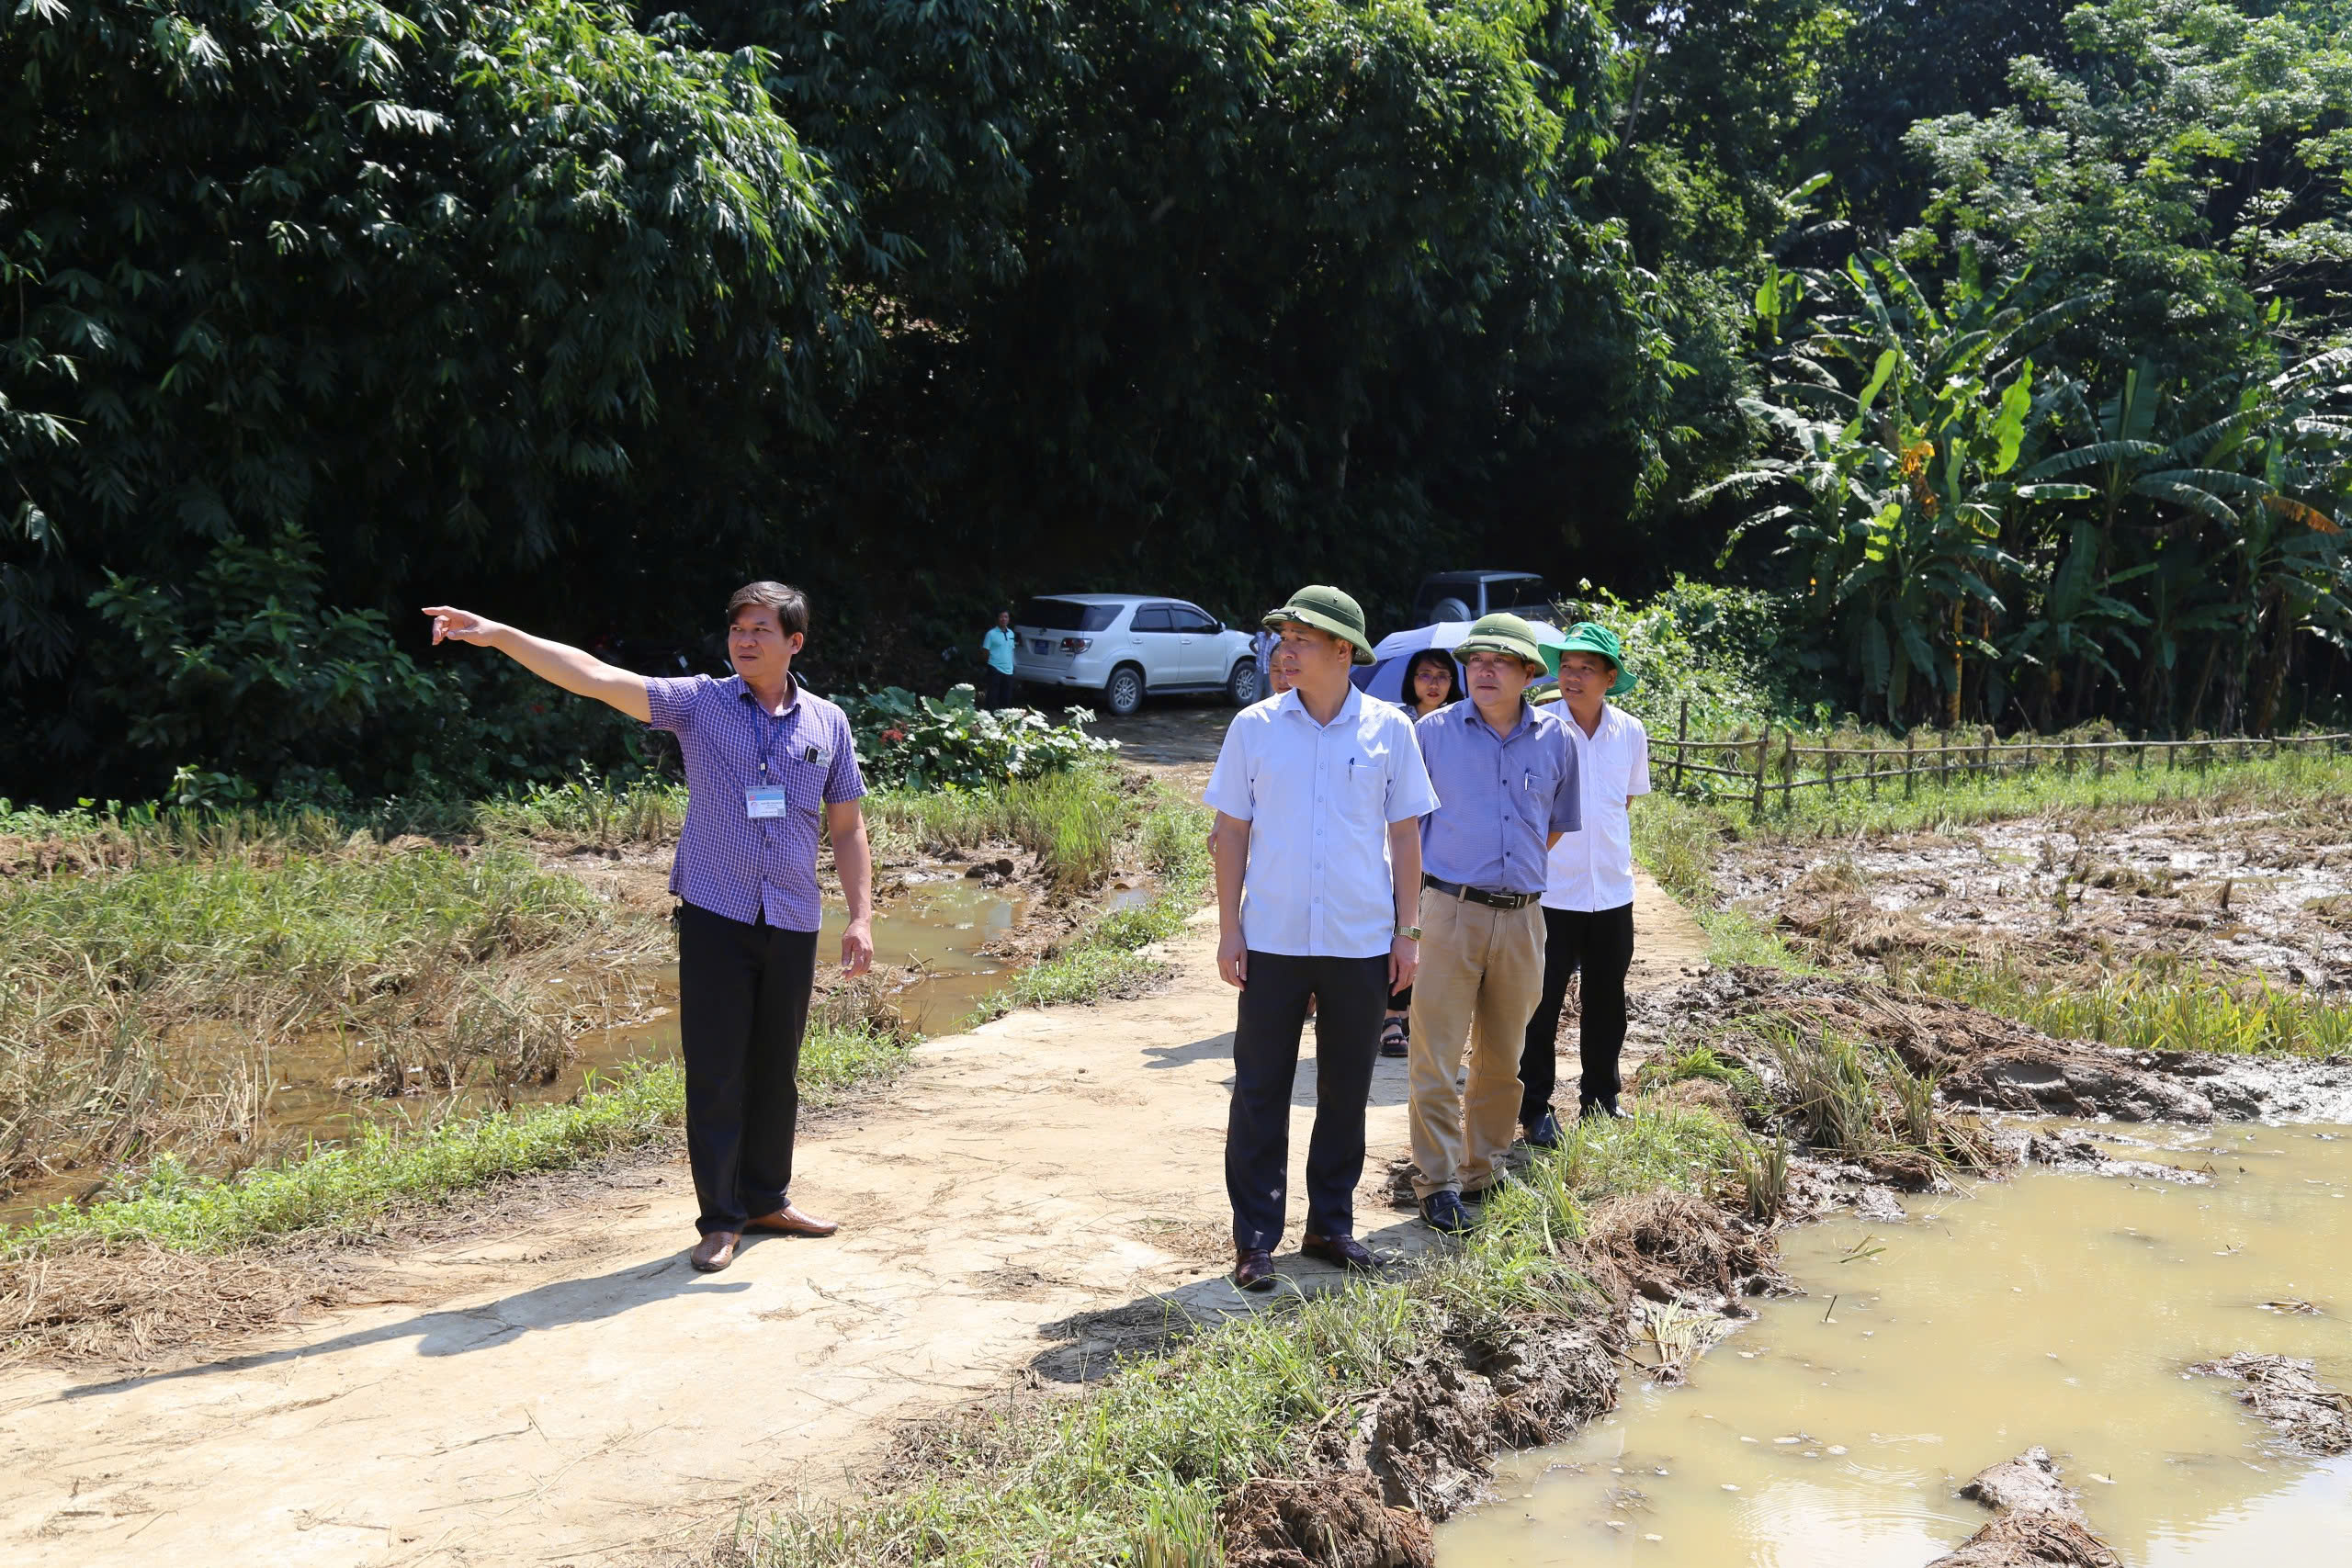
x: 1384, y: 676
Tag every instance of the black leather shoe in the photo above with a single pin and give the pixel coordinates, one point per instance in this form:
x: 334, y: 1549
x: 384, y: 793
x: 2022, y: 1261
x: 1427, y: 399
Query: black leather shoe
x: 1443, y: 1211
x: 1604, y: 1108
x: 1543, y: 1133
x: 1345, y: 1251
x: 1253, y: 1269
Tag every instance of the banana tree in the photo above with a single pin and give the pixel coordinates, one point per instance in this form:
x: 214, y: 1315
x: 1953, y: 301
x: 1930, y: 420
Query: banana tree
x: 1901, y: 426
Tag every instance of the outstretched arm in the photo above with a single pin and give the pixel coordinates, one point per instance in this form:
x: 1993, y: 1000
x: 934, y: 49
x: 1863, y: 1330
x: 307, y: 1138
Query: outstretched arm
x: 580, y: 674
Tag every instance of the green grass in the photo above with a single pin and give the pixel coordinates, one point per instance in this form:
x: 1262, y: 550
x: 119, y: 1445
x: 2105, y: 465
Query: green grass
x: 1677, y: 842
x: 590, y: 810
x: 1107, y: 958
x: 350, y: 1188
x: 2294, y: 779
x: 1131, y: 1470
x: 2159, y: 1008
x: 1073, y: 821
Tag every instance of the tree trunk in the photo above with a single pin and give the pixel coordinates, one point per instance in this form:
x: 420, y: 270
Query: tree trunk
x: 2204, y: 681
x: 2272, y: 679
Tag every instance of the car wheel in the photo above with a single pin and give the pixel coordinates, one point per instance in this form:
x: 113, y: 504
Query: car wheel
x: 1450, y: 610
x: 1124, y: 693
x: 1241, y: 687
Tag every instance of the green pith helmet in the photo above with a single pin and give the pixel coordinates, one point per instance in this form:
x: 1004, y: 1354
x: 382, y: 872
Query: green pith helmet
x: 1502, y: 633
x: 1327, y: 610
x: 1590, y: 637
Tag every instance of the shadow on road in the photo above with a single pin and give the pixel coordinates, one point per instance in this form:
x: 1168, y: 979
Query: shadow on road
x: 453, y: 1332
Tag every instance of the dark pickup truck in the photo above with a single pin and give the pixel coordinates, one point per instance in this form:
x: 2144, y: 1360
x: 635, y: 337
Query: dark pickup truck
x: 1466, y: 595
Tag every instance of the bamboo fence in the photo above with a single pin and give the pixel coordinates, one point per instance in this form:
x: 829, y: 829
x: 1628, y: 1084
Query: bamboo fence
x: 1757, y: 767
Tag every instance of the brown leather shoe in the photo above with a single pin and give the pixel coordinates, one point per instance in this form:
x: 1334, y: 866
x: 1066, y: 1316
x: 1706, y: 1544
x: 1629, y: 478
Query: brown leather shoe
x: 1345, y: 1251
x: 1253, y: 1269
x: 789, y: 1220
x: 714, y: 1252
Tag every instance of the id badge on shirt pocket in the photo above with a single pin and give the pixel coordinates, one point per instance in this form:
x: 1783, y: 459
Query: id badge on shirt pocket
x: 766, y: 800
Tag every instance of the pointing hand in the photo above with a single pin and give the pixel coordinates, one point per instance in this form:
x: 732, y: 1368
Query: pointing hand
x: 463, y: 626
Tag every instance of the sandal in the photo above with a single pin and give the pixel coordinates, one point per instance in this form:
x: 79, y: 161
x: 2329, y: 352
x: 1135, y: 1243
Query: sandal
x: 1396, y: 1037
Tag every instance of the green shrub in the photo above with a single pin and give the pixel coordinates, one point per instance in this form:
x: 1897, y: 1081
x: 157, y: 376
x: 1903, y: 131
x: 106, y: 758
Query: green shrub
x: 916, y: 742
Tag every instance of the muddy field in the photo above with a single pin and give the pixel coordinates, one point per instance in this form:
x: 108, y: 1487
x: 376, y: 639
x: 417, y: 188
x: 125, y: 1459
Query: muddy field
x: 2266, y: 895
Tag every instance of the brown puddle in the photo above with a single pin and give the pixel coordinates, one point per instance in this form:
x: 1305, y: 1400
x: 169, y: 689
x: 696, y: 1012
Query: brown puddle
x: 934, y: 931
x: 2051, y: 1309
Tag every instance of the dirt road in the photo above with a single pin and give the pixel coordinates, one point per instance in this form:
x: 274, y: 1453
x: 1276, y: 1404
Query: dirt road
x: 1035, y: 1197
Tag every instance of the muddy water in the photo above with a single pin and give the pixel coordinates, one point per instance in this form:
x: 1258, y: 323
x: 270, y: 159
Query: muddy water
x: 2049, y: 1309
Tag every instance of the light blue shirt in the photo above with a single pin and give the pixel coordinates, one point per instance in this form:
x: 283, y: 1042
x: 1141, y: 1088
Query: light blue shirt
x: 1505, y: 796
x: 999, y: 646
x: 1318, y: 799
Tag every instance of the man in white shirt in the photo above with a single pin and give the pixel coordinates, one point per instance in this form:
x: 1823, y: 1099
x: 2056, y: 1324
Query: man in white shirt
x: 1320, y: 794
x: 1588, y: 898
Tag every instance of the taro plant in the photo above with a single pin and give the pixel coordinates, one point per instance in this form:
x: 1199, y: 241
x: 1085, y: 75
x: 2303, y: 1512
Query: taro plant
x: 906, y: 742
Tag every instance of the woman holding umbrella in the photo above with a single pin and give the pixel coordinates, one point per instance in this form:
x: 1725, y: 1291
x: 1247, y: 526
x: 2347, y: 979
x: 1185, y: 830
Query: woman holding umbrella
x: 1431, y: 681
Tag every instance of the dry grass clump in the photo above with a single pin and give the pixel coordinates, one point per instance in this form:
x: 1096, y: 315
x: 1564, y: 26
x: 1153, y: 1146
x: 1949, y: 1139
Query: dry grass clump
x: 1662, y: 1245
x: 132, y: 1304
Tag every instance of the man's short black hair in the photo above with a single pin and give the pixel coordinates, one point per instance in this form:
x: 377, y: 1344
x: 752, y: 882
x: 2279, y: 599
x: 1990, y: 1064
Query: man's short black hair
x: 791, y: 605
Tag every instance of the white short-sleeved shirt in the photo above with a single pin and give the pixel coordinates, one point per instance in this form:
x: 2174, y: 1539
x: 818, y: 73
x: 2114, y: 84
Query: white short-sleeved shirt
x: 1592, y: 869
x: 1318, y: 799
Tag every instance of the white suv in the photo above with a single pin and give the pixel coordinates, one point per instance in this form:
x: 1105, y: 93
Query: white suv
x: 1124, y: 644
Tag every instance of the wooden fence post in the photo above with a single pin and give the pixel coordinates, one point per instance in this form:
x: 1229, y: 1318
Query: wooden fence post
x: 1681, y: 741
x: 1763, y: 747
x: 1829, y: 771
x: 1788, y: 769
x: 1945, y: 757
x: 1910, y: 755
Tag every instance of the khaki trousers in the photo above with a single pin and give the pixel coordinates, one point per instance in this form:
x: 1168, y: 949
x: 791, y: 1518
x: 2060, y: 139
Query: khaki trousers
x: 1481, y: 975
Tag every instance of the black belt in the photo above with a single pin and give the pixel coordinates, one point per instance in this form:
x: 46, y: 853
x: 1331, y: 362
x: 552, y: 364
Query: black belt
x: 1479, y: 895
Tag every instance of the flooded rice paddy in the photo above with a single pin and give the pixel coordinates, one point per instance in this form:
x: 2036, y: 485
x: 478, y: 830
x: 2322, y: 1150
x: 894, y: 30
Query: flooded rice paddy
x: 2264, y: 891
x: 2060, y: 1310
x: 931, y: 940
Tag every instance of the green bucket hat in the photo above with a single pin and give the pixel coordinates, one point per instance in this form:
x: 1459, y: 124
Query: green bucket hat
x: 1500, y: 633
x: 1588, y: 637
x: 1327, y: 609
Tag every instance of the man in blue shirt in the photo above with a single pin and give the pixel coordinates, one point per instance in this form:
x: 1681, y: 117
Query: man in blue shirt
x: 1319, y: 793
x: 999, y: 646
x: 1507, y: 774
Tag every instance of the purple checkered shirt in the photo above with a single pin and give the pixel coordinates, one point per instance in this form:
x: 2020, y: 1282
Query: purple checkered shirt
x: 730, y: 862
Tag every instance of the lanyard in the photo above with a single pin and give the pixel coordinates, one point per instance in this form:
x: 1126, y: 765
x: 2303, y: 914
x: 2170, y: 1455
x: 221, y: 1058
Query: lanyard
x: 772, y: 725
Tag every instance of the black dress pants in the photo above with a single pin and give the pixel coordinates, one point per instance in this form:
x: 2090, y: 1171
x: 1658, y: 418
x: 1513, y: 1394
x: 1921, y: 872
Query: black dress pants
x: 1351, y: 995
x: 1601, y: 944
x: 743, y: 1008
x: 999, y: 689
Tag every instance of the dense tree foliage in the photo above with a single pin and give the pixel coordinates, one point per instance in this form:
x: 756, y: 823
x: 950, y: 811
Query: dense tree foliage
x: 2002, y: 336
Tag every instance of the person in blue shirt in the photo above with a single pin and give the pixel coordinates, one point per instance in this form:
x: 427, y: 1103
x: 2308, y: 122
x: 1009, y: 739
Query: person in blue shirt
x: 998, y: 644
x: 1505, y: 773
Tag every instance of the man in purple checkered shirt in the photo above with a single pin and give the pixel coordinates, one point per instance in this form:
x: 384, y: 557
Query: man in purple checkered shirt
x: 766, y: 760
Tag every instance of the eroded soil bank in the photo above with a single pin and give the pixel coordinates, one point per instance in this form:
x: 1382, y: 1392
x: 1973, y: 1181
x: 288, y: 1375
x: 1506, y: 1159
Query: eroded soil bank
x: 2101, y: 1316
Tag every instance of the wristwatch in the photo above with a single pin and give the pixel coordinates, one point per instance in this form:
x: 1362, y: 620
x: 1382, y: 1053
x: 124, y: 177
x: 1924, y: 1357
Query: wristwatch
x: 1411, y: 934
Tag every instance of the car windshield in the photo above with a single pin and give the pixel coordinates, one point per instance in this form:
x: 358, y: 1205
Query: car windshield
x: 1515, y: 593
x: 1067, y: 615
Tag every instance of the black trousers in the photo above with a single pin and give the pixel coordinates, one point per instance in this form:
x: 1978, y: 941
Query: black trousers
x: 1601, y: 944
x: 998, y: 689
x: 743, y: 1008
x: 1351, y: 995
